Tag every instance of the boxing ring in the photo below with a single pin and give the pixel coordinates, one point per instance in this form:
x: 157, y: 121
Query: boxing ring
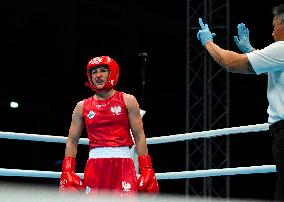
x: 150, y: 141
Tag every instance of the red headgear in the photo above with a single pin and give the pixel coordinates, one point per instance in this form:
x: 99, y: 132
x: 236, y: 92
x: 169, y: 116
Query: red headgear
x: 113, y: 72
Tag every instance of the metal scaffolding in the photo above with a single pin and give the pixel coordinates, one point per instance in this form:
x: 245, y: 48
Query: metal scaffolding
x: 207, y: 98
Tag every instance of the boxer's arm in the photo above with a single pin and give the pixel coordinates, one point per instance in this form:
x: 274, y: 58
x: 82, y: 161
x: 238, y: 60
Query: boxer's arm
x: 147, y: 181
x: 136, y: 124
x: 69, y: 181
x: 75, y: 131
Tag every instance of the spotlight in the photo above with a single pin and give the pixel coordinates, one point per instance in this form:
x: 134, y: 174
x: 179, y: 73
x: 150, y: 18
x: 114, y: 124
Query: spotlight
x: 14, y: 104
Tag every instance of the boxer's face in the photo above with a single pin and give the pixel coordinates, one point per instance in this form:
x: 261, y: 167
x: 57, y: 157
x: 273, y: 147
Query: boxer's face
x: 100, y: 76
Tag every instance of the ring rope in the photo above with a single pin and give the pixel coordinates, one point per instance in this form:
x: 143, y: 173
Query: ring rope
x: 39, y: 138
x: 160, y: 176
x: 153, y: 140
x: 208, y: 134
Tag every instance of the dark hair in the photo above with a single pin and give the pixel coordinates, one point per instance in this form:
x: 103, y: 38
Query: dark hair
x: 278, y: 11
x: 98, y: 66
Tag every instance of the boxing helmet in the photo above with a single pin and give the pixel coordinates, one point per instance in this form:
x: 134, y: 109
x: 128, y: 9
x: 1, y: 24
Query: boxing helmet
x: 113, y: 72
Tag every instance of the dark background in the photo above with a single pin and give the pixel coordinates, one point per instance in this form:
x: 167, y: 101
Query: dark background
x: 46, y: 45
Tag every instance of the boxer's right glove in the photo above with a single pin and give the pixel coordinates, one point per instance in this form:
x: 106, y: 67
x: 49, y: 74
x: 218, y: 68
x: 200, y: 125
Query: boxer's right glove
x: 69, y: 181
x: 147, y: 181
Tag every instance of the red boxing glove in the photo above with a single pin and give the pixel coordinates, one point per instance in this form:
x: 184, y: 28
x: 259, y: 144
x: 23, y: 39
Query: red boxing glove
x: 70, y: 182
x: 147, y: 181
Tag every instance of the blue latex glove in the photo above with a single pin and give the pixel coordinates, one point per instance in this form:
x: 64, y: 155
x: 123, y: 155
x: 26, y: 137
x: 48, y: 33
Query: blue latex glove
x: 242, y: 41
x: 204, y: 34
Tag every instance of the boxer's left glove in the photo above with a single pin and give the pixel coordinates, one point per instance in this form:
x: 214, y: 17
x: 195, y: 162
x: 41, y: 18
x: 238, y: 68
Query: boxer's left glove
x: 147, y: 181
x: 69, y: 181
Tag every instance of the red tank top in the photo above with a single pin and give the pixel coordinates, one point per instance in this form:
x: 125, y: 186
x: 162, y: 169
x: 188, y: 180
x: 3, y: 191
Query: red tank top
x: 107, y: 122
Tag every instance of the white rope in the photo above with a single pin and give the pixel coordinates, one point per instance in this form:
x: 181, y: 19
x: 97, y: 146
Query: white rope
x: 216, y: 172
x: 28, y: 173
x: 160, y: 176
x: 208, y: 134
x: 153, y: 140
x: 39, y: 138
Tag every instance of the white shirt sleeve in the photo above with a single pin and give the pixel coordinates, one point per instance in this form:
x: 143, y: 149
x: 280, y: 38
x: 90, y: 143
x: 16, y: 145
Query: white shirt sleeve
x: 268, y: 59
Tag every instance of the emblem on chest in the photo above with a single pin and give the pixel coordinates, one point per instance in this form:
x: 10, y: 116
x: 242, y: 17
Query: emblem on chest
x: 91, y: 114
x: 116, y: 110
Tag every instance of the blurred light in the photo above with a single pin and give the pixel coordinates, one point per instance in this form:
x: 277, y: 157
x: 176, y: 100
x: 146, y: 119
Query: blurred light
x: 14, y: 104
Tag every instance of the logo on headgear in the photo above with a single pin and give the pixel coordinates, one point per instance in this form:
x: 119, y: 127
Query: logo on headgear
x: 96, y: 60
